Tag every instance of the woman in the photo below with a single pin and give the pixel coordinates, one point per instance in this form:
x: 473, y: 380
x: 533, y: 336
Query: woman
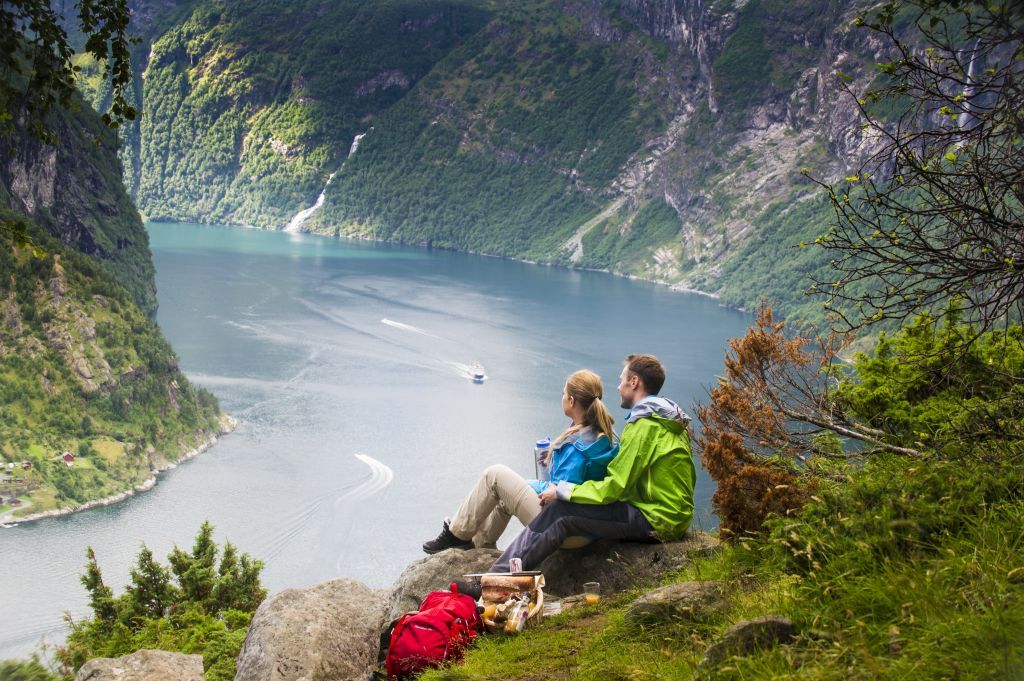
x: 581, y: 453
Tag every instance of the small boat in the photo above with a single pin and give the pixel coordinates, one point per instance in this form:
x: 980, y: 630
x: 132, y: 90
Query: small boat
x: 476, y: 372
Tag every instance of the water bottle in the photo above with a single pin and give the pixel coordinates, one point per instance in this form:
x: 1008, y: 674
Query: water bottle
x: 517, y: 615
x: 540, y: 458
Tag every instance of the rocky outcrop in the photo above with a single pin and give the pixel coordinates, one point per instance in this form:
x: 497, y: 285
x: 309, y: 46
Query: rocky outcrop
x: 683, y: 601
x: 621, y: 565
x: 71, y: 331
x: 72, y: 190
x: 331, y: 631
x: 435, y: 573
x: 143, y: 665
x: 685, y: 24
x: 747, y: 636
x: 382, y: 81
x: 328, y: 632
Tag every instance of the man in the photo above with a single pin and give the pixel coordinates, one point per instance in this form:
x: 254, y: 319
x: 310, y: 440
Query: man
x: 648, y: 491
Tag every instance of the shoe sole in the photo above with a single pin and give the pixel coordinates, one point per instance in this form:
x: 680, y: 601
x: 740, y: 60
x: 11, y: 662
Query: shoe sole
x: 431, y: 552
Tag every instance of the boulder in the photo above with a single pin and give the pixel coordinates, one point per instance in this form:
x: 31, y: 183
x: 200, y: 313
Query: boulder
x: 143, y: 665
x: 747, y: 636
x: 327, y: 632
x: 435, y: 573
x: 619, y: 566
x: 684, y: 601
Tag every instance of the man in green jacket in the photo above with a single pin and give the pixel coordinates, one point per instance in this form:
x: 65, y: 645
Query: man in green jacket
x: 647, y: 493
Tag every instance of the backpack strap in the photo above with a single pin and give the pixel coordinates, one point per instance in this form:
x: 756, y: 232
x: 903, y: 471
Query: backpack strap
x: 396, y: 631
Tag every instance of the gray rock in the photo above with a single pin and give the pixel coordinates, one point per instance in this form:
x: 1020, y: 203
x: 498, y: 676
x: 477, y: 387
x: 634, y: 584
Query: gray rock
x: 327, y: 632
x: 435, y: 573
x: 747, y: 636
x: 143, y: 665
x: 684, y: 601
x: 619, y: 566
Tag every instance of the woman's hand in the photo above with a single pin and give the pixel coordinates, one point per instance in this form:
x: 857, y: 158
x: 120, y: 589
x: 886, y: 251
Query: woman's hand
x: 548, y: 495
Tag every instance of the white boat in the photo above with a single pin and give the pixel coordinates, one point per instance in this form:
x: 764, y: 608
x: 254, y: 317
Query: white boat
x: 476, y: 372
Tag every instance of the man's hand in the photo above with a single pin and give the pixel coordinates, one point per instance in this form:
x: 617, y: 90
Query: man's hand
x: 548, y: 495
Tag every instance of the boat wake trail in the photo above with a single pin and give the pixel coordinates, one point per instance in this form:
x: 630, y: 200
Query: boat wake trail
x: 380, y: 477
x: 407, y: 327
x: 293, y: 526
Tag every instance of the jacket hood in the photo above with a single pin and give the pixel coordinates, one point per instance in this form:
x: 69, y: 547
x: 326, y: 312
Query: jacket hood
x: 582, y: 438
x: 658, y: 406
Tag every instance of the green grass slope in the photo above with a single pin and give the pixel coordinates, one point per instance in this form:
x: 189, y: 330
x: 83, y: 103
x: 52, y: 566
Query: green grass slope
x: 898, y: 572
x: 84, y: 370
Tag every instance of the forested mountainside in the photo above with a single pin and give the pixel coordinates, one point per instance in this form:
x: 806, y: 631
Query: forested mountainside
x: 84, y: 369
x: 660, y: 138
x: 248, y: 105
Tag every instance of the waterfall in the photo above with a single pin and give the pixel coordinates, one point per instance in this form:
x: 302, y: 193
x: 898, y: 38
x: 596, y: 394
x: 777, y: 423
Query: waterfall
x: 295, y: 224
x: 968, y: 117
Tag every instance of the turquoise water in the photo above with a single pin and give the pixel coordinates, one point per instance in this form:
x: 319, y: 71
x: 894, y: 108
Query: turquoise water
x: 325, y: 349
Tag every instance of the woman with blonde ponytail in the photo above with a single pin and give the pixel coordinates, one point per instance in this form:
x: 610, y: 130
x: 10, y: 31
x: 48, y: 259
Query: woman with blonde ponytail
x: 581, y: 453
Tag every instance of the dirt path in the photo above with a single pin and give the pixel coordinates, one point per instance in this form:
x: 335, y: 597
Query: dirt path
x: 575, y: 242
x: 8, y: 516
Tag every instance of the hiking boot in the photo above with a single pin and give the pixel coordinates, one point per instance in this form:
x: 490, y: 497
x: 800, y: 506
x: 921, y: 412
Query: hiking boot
x: 470, y: 587
x: 446, y: 540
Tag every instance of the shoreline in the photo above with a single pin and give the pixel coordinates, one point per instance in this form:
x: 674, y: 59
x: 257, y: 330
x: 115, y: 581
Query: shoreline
x: 227, y: 424
x: 680, y: 288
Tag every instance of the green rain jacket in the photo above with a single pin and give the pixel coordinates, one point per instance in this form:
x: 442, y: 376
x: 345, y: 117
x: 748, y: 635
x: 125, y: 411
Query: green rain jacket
x: 653, y: 471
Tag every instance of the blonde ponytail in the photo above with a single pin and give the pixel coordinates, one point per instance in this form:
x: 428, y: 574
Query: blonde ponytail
x: 585, y: 387
x: 598, y: 418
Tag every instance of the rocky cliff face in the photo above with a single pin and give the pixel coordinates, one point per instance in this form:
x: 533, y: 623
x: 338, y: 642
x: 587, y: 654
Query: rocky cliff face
x: 74, y: 192
x: 763, y: 106
x: 659, y: 138
x: 687, y: 25
x: 739, y: 99
x: 84, y: 370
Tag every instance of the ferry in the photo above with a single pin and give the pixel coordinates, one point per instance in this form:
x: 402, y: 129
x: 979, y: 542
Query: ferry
x: 476, y: 372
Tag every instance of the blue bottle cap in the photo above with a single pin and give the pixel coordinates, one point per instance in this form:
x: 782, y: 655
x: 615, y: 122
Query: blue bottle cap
x: 544, y: 443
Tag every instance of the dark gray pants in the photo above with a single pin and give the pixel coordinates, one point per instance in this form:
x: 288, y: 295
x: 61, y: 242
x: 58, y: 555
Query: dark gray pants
x: 561, y: 519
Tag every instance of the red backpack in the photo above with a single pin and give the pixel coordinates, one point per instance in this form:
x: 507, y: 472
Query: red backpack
x: 440, y: 630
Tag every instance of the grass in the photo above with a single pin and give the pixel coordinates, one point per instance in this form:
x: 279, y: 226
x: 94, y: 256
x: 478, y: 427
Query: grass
x: 896, y: 572
x: 111, y: 450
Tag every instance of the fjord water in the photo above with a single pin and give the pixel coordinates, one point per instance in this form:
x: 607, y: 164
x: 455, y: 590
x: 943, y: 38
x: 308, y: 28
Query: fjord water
x: 326, y: 349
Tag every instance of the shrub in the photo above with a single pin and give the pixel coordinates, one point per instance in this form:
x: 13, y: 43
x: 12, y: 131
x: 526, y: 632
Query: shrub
x: 204, y: 610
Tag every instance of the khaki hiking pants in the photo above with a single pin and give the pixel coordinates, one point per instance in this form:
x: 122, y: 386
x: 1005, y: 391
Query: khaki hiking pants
x: 499, y: 494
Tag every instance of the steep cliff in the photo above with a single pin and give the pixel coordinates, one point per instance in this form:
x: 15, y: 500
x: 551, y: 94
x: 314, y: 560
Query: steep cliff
x: 659, y: 138
x: 74, y: 193
x: 84, y: 370
x: 513, y: 140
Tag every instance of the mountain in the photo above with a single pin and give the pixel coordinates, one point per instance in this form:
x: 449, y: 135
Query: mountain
x: 84, y: 369
x: 247, y: 104
x: 659, y: 138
